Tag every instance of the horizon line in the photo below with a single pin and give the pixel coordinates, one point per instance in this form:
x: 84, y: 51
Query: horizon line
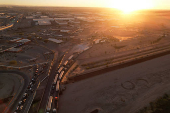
x: 74, y: 7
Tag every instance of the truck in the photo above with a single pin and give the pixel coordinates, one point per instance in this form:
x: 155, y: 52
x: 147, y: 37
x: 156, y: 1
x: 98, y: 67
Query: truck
x: 48, y: 108
x: 61, y: 75
x: 55, y: 79
x: 70, y: 57
x: 57, y: 85
x: 60, y: 69
x: 66, y: 62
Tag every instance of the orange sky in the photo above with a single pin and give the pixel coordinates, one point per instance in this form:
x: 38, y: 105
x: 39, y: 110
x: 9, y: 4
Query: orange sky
x: 154, y: 4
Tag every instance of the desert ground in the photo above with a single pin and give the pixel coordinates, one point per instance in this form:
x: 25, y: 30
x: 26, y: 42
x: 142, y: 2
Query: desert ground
x: 125, y: 90
x: 10, y: 85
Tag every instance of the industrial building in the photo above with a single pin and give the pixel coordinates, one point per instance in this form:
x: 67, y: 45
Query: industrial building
x: 55, y: 40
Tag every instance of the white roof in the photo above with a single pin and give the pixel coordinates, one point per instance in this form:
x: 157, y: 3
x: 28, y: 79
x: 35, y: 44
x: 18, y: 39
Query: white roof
x: 64, y: 31
x: 15, y: 39
x: 61, y: 22
x: 29, y: 17
x: 14, y: 49
x: 55, y: 40
x: 44, y: 17
x: 63, y: 18
x: 37, y: 19
x: 44, y: 22
x: 24, y: 40
x: 49, y: 19
x: 97, y: 41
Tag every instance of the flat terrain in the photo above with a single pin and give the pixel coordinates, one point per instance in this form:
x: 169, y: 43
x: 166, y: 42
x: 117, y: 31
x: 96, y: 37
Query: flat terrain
x: 125, y: 90
x: 10, y: 85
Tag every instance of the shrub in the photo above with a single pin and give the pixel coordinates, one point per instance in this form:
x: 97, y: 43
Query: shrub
x: 45, y: 40
x: 13, y: 62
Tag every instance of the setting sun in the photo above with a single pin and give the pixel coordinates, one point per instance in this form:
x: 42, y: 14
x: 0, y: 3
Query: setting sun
x: 128, y: 6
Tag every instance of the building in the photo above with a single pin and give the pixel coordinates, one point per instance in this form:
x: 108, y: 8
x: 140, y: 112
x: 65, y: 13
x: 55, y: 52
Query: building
x: 63, y: 19
x: 61, y: 23
x: 44, y: 22
x: 24, y: 41
x: 15, y: 50
x: 44, y: 16
x: 14, y: 40
x: 29, y: 17
x: 64, y: 31
x: 55, y: 40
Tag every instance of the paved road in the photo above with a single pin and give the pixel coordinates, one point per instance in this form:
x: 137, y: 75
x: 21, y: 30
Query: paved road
x: 48, y: 87
x: 17, y: 99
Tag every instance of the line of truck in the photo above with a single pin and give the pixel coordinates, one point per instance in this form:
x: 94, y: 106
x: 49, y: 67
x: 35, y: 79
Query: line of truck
x: 56, y: 86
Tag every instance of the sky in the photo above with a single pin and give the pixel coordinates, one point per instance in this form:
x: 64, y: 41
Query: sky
x: 156, y: 4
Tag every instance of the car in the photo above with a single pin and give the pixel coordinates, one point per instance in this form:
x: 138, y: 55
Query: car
x: 31, y: 83
x: 54, y: 110
x: 17, y: 109
x: 29, y: 86
x: 20, y: 102
x: 25, y: 95
x: 31, y: 90
x: 21, y: 107
x: 24, y: 100
x: 33, y: 80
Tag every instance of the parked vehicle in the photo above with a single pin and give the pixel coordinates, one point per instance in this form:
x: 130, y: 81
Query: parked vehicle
x: 25, y: 95
x: 21, y: 107
x: 61, y: 75
x: 54, y: 110
x: 48, y: 108
x: 57, y: 85
x: 66, y: 62
x: 55, y: 79
x: 60, y: 69
x: 20, y: 102
x: 31, y: 90
x: 70, y: 57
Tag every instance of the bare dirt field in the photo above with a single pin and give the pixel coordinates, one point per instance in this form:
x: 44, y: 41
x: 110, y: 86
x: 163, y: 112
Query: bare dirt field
x: 9, y: 86
x: 125, y: 90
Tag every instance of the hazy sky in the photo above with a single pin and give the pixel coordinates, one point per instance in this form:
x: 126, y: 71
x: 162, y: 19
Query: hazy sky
x: 156, y: 4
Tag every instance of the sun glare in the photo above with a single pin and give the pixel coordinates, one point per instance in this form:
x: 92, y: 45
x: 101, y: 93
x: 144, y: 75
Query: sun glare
x: 128, y: 6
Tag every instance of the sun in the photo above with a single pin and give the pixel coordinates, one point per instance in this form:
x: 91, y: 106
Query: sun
x: 128, y: 6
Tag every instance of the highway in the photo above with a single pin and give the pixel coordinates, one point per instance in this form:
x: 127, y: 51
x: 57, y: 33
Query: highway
x: 48, y: 87
x: 48, y: 91
x: 67, y: 64
x: 31, y: 89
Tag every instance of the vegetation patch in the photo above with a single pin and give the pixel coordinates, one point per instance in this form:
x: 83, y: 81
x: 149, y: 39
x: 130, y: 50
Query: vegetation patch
x: 161, y: 105
x: 156, y: 41
x: 118, y: 47
x: 13, y: 62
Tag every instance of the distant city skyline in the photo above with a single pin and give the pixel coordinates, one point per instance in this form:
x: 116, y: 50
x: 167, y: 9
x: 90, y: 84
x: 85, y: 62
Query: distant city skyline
x: 156, y: 4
